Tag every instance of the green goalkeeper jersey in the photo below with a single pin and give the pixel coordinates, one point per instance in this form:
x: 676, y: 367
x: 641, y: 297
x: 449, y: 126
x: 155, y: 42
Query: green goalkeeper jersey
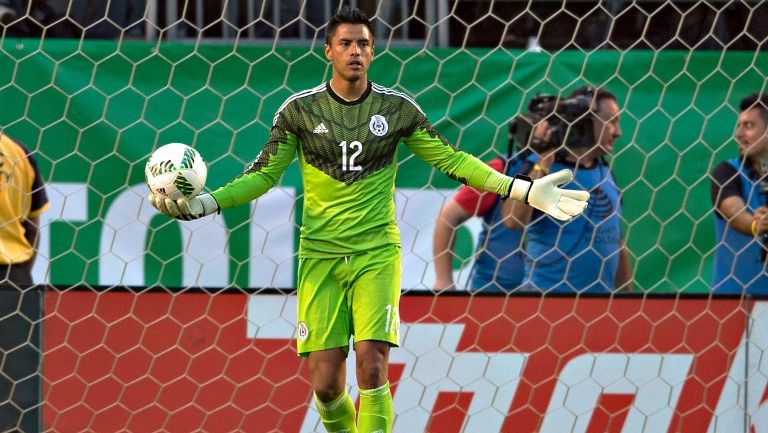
x: 347, y: 154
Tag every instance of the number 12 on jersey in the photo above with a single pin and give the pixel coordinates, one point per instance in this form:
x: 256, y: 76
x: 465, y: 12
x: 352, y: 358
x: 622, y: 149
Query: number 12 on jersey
x: 349, y: 164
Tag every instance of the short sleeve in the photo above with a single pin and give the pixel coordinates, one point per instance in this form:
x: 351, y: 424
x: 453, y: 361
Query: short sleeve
x: 725, y: 182
x: 38, y: 198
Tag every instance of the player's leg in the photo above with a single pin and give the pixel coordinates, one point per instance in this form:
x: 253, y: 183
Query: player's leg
x: 327, y: 372
x: 323, y: 336
x: 376, y: 322
x: 372, y: 362
x: 376, y: 408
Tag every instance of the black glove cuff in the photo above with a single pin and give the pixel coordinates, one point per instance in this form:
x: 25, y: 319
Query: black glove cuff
x: 218, y: 208
x: 530, y: 184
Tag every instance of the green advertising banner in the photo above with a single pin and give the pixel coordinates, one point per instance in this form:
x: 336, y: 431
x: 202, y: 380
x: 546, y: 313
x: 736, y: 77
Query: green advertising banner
x: 93, y: 111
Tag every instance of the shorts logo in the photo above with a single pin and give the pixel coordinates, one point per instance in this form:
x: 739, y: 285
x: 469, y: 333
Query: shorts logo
x: 303, y: 331
x: 378, y: 125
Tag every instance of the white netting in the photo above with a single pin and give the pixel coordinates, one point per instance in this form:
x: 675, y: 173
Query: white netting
x: 129, y: 342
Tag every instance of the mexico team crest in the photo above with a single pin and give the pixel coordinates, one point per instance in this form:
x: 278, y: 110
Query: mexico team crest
x: 303, y: 331
x: 378, y: 125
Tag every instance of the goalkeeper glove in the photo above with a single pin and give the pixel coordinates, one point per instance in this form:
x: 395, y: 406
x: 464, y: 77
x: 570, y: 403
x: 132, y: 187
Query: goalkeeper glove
x: 183, y: 208
x: 544, y: 195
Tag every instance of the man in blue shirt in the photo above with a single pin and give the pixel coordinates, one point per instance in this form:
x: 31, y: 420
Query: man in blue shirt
x: 499, y: 259
x: 587, y: 255
x: 738, y: 189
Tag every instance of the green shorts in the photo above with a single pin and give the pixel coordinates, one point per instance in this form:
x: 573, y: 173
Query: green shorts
x: 343, y: 296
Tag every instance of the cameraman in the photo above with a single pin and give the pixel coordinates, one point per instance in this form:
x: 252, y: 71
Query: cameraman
x: 499, y: 258
x: 586, y: 255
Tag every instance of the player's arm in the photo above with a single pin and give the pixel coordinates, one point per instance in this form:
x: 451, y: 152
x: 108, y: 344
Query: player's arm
x: 451, y: 216
x: 261, y: 175
x: 428, y: 145
x: 543, y: 194
x: 255, y: 181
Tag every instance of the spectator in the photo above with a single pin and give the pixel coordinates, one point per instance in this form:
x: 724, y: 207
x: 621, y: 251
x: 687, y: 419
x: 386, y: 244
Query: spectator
x: 738, y: 189
x: 499, y: 259
x: 22, y: 200
x: 587, y: 255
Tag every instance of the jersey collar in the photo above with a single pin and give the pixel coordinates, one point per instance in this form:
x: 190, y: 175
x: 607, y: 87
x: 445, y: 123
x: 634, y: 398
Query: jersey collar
x: 341, y: 100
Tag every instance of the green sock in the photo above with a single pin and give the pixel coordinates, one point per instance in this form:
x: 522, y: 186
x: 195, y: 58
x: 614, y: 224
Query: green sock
x: 376, y: 411
x: 338, y: 416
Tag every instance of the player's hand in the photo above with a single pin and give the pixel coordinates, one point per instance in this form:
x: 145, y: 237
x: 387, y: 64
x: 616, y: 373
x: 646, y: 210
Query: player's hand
x: 185, y: 209
x: 544, y: 195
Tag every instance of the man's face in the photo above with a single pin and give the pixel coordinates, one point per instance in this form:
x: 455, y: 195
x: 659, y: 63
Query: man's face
x: 751, y: 134
x: 350, y: 52
x: 606, y: 124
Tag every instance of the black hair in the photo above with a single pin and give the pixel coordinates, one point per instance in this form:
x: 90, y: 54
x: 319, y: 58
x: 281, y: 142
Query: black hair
x: 756, y: 100
x: 346, y: 15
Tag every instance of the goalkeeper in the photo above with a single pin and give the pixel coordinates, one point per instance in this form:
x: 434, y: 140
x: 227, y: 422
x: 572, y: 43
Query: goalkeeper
x: 346, y: 133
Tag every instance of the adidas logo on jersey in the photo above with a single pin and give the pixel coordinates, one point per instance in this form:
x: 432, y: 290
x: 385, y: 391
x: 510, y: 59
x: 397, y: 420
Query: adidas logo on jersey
x: 320, y: 129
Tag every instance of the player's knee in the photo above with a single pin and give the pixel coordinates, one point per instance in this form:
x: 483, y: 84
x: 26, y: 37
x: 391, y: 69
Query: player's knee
x: 328, y: 392
x: 371, y: 372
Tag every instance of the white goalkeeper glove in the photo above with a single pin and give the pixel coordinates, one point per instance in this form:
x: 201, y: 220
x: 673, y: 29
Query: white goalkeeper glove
x: 185, y: 209
x: 544, y: 195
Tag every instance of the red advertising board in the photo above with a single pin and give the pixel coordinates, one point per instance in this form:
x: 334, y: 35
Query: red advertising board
x: 154, y: 361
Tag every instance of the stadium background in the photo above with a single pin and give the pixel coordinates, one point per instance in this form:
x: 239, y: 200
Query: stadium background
x: 94, y: 110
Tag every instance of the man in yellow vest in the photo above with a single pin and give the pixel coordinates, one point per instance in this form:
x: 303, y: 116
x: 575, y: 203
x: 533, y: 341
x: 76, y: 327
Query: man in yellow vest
x: 22, y: 201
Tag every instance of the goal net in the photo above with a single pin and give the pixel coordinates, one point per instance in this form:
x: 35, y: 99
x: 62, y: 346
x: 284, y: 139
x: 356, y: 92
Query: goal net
x: 140, y: 323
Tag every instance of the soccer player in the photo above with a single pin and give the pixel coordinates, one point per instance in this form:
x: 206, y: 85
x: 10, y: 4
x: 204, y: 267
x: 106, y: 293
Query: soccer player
x: 346, y: 133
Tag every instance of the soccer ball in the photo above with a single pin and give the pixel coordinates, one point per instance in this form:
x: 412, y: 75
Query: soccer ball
x: 176, y: 171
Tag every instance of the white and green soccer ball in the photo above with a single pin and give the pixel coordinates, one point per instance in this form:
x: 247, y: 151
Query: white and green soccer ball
x: 176, y: 171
